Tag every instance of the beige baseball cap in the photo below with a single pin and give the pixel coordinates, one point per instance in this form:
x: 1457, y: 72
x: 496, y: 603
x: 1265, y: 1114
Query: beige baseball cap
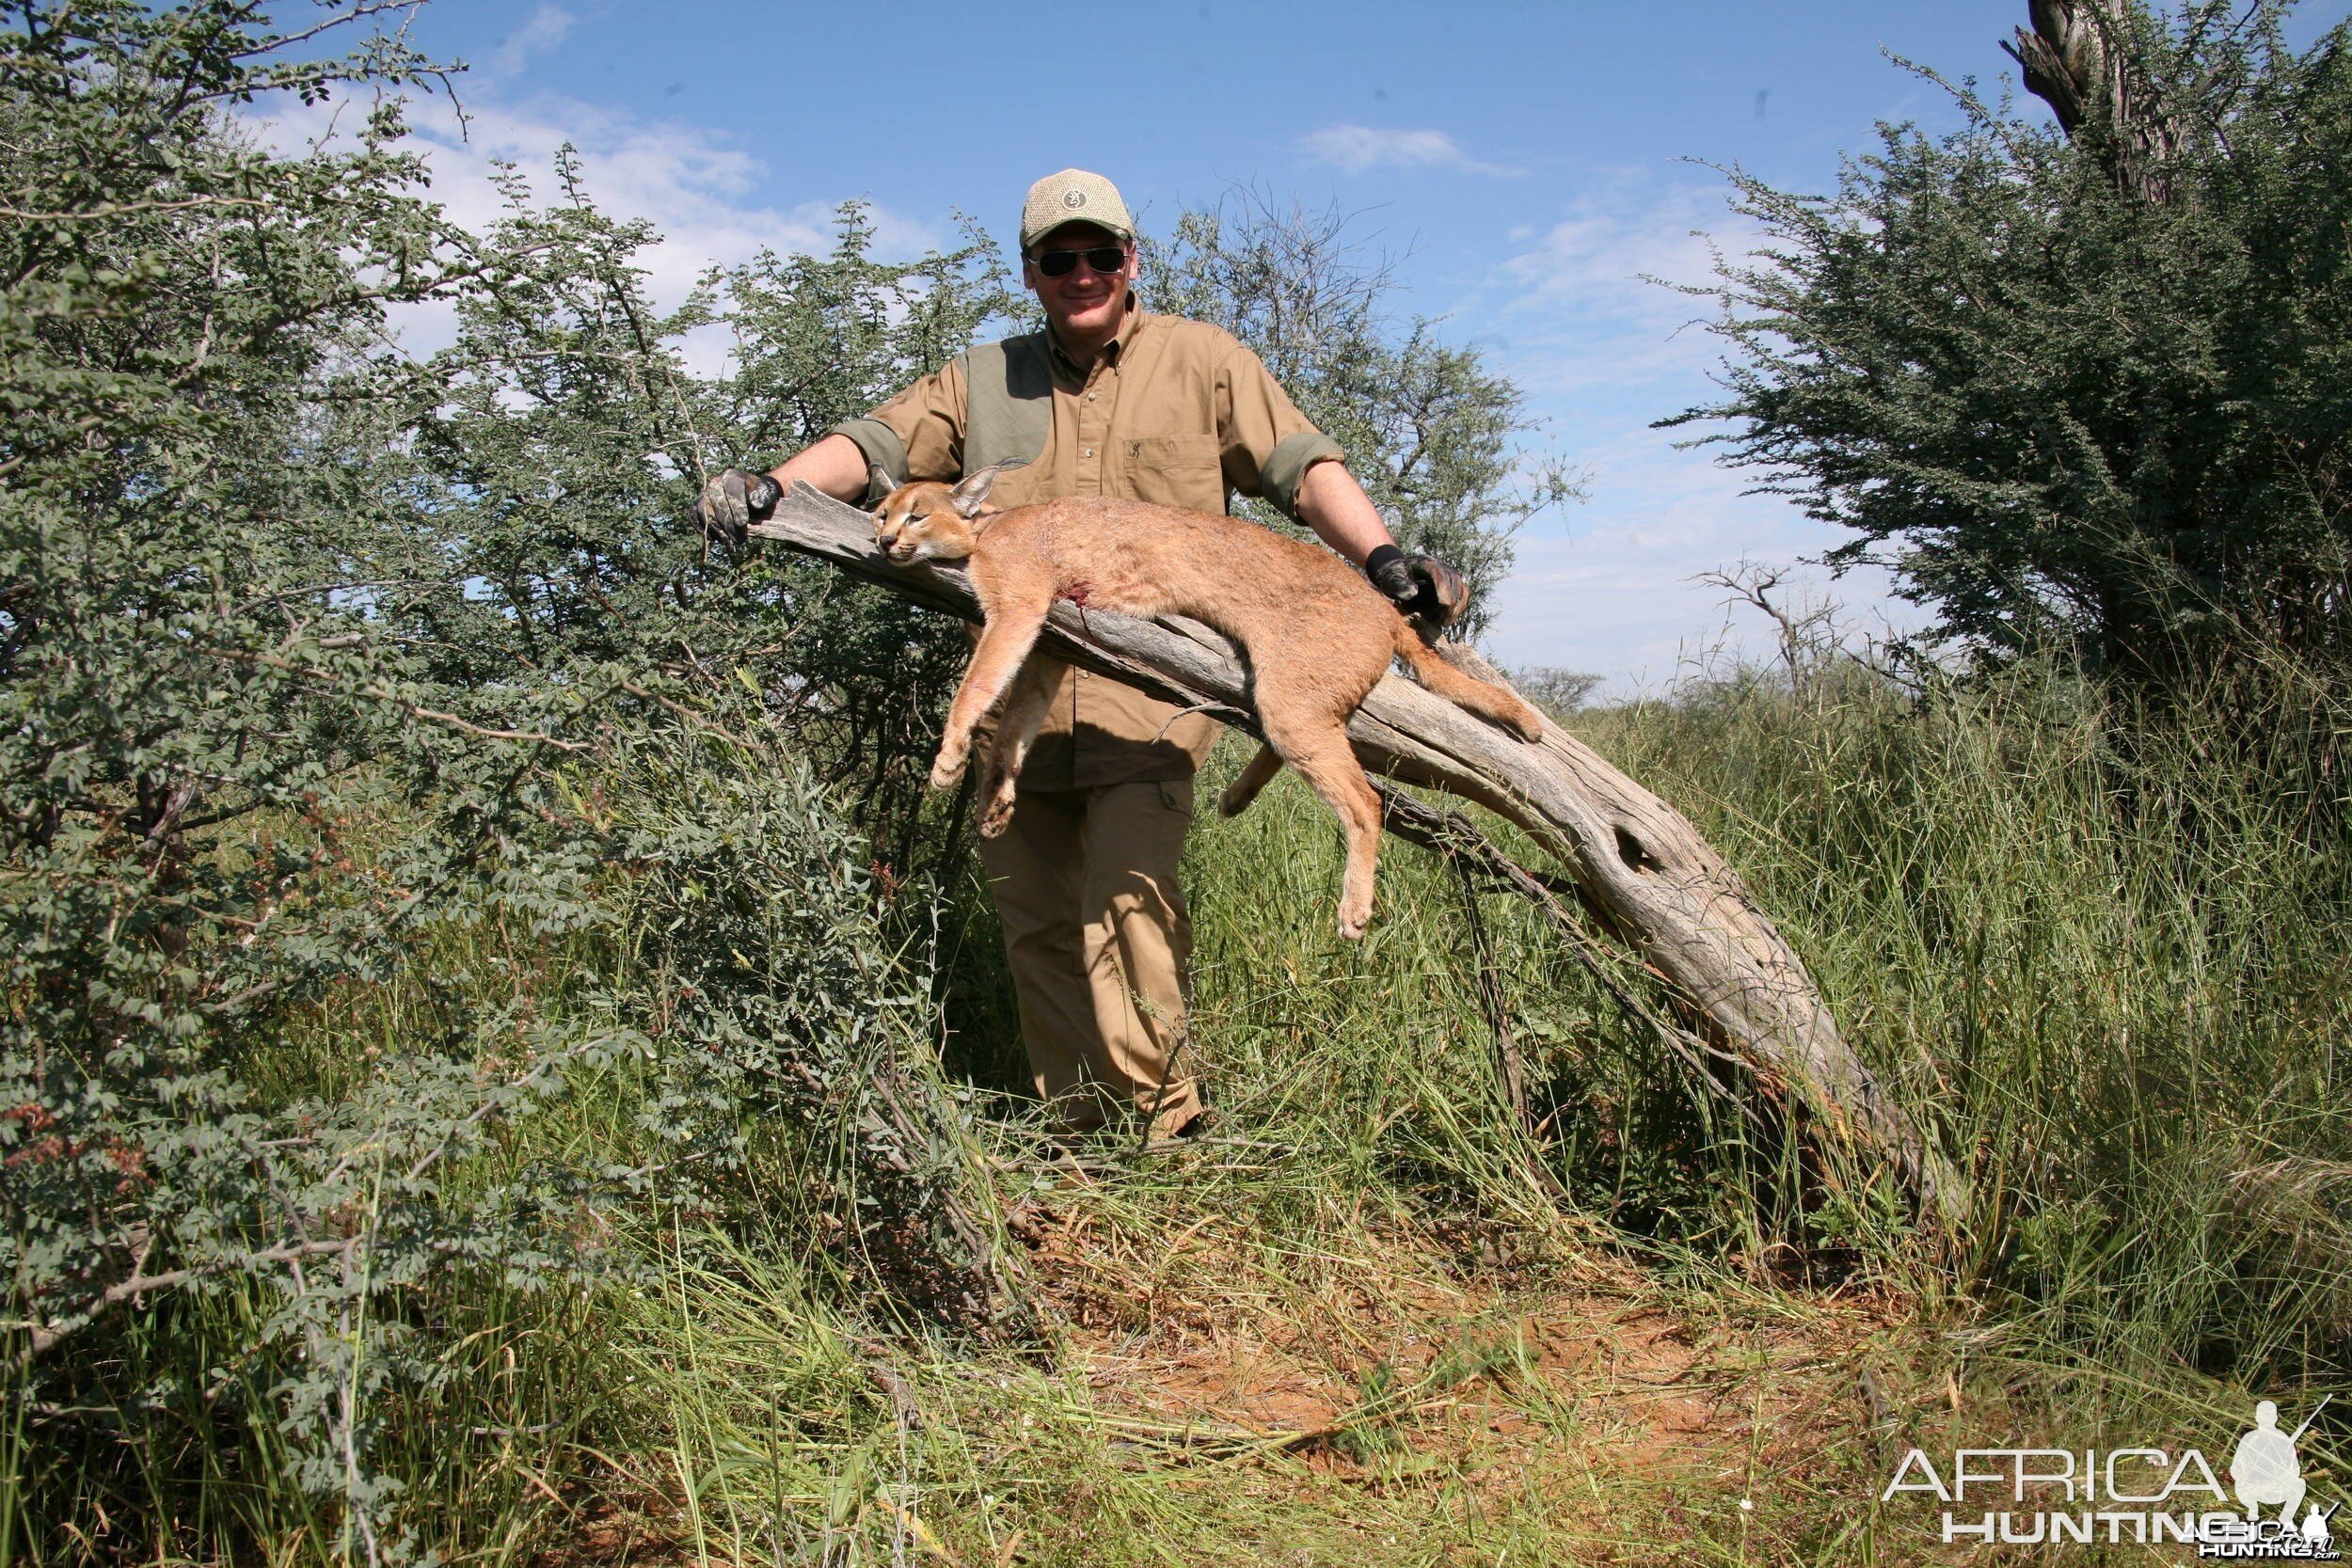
x: 1074, y: 196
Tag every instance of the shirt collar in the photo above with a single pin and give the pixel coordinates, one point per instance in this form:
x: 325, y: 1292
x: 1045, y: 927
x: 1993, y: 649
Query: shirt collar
x: 1113, y: 351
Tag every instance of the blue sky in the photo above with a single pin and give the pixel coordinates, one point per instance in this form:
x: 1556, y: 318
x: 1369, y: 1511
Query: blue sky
x: 1525, y: 164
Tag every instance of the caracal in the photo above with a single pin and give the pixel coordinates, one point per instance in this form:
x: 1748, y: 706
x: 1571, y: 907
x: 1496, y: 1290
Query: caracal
x: 1318, y: 636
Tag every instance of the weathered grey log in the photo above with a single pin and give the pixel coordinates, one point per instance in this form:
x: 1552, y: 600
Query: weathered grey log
x: 1640, y: 866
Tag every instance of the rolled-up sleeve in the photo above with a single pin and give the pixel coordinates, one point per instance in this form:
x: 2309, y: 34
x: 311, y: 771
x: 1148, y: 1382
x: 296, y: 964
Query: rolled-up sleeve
x: 919, y: 434
x: 1267, y: 444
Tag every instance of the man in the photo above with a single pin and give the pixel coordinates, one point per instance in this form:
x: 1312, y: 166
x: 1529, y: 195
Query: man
x: 1108, y: 400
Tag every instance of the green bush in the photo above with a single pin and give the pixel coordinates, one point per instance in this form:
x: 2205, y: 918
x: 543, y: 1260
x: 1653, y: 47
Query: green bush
x: 333, y: 685
x: 2067, y: 406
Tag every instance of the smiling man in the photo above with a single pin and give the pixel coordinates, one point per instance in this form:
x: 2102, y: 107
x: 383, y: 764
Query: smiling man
x: 1109, y: 400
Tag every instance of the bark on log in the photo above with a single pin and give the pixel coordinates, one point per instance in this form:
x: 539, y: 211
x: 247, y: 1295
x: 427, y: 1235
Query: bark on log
x: 1639, y: 864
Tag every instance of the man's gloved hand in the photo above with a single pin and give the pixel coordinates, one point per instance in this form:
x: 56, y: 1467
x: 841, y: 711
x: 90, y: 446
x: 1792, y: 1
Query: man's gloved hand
x: 1421, y: 586
x: 732, y: 501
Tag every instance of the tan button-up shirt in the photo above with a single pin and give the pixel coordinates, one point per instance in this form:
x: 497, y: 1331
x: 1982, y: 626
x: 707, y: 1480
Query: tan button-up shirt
x: 1172, y: 411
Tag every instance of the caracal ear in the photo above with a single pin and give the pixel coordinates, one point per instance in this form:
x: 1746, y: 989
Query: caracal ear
x: 969, y: 495
x: 877, y: 474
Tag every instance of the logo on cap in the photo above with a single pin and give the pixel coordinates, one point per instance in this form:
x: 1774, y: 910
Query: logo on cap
x: 1073, y: 198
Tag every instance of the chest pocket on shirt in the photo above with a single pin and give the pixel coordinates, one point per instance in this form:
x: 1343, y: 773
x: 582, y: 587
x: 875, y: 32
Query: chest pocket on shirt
x: 1176, y: 470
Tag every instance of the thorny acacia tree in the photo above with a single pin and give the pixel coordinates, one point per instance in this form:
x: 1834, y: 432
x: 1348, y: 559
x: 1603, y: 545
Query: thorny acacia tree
x: 2084, y: 382
x: 553, y: 439
x: 312, y: 661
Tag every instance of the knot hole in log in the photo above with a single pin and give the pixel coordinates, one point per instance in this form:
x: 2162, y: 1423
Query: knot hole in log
x: 1630, y: 851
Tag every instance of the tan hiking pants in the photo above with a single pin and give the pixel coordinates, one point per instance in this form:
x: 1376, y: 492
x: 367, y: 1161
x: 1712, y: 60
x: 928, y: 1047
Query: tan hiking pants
x: 1098, y: 942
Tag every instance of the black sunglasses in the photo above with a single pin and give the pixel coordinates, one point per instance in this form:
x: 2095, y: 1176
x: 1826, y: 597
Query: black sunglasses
x: 1102, y: 257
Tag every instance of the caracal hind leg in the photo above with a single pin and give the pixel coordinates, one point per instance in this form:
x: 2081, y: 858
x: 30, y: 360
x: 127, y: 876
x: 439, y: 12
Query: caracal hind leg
x: 1004, y: 645
x: 1252, y: 777
x: 1322, y: 758
x: 1016, y: 729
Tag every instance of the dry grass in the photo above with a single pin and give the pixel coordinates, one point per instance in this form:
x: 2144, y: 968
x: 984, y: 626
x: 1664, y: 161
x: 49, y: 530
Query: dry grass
x: 1207, y: 1394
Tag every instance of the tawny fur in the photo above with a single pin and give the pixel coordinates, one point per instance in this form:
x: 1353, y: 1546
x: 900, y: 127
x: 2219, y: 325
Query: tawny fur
x: 1318, y: 636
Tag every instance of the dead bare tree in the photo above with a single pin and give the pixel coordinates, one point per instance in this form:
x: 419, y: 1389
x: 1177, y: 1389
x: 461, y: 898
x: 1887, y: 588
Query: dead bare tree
x: 1807, y: 636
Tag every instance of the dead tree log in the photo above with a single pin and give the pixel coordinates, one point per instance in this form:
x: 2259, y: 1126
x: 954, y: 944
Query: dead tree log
x: 1636, y: 861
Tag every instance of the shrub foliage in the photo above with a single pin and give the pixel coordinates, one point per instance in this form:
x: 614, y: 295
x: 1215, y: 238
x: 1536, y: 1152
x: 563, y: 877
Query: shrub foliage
x: 321, y: 664
x: 2072, y: 394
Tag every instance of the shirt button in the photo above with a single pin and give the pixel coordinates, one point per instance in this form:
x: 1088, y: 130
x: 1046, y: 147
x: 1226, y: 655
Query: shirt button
x: 1089, y: 453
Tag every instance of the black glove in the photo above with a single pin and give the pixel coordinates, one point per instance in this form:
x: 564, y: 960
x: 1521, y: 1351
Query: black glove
x: 1421, y: 586
x: 732, y: 501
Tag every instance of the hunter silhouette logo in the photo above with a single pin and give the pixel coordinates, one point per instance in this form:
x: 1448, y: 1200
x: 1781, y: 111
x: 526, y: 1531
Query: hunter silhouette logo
x: 2266, y: 1474
x: 2265, y: 1471
x: 2136, y: 1495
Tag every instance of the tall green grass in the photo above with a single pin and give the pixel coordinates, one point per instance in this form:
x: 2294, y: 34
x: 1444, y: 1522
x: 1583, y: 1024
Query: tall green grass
x: 2102, y: 955
x: 2105, y: 951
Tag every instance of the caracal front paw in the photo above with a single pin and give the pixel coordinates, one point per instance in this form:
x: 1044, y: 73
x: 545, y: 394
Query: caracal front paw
x: 948, y: 767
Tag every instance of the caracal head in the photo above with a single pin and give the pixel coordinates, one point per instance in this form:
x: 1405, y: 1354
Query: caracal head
x: 931, y: 521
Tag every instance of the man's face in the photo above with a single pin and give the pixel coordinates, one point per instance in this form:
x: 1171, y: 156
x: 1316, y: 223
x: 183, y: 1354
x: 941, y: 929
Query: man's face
x: 1081, y: 302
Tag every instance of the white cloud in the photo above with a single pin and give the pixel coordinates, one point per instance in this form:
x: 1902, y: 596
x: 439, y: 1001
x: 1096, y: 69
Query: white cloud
x: 544, y: 31
x: 1354, y: 149
x: 1611, y: 588
x: 1596, y: 288
x: 1602, y: 353
x: 697, y: 187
